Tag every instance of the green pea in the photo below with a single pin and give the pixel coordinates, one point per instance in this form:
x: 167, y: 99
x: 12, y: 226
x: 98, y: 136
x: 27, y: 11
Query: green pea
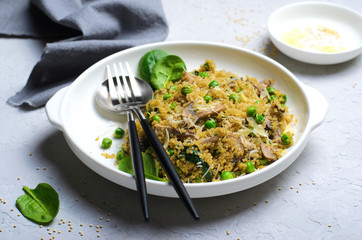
x: 226, y: 175
x: 251, y: 111
x: 118, y: 133
x: 186, y: 90
x: 121, y: 154
x: 106, y: 143
x: 249, y: 167
x: 210, y: 124
x: 203, y: 74
x: 286, y: 139
x: 272, y: 97
x: 271, y: 90
x: 213, y: 84
x: 173, y: 88
x: 259, y: 118
x: 239, y: 90
x: 156, y: 118
x: 167, y: 96
x: 283, y: 98
x: 207, y: 98
x: 171, y: 152
x: 257, y: 101
x: 234, y: 97
x: 173, y: 106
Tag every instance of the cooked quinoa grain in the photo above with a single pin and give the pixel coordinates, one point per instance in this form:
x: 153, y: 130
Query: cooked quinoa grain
x: 224, y: 123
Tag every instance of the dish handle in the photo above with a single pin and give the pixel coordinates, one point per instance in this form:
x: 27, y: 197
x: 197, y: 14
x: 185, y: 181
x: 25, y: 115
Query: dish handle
x: 318, y: 106
x: 52, y: 108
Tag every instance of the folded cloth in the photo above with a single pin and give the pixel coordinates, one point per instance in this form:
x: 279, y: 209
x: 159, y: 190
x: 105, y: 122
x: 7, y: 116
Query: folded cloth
x: 93, y: 29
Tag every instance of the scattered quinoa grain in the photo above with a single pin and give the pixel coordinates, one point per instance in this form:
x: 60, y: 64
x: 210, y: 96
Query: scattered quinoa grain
x: 81, y: 224
x: 18, y: 178
x: 90, y: 225
x: 266, y: 201
x: 97, y: 230
x: 98, y: 235
x: 228, y: 232
x: 329, y: 225
x: 101, y: 218
x: 12, y: 209
x: 254, y: 204
x: 291, y: 187
x: 108, y: 220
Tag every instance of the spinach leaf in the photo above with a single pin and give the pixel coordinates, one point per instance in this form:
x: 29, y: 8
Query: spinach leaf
x: 147, y: 63
x: 39, y: 205
x: 149, y: 164
x: 194, y: 158
x: 169, y: 68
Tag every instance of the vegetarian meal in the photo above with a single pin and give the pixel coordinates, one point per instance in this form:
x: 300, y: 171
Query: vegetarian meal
x: 214, y: 124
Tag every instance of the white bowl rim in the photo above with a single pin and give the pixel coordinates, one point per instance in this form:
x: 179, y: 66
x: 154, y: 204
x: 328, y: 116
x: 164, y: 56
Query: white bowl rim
x: 298, y: 146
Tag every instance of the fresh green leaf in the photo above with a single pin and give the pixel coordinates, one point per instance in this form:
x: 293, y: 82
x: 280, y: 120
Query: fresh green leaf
x: 194, y: 158
x: 149, y: 164
x: 147, y: 63
x: 169, y: 68
x: 39, y: 205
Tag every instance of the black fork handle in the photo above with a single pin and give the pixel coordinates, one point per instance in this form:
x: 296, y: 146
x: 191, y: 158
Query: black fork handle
x: 167, y: 164
x: 138, y: 168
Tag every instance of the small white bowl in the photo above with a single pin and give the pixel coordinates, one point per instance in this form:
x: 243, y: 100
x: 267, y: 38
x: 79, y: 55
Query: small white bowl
x: 344, y: 21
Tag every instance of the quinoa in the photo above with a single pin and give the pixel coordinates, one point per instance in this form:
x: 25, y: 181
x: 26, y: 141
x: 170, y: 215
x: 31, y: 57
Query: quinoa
x: 237, y: 137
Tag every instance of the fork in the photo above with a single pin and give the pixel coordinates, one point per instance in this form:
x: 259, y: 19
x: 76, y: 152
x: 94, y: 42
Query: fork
x: 130, y: 94
x: 120, y: 94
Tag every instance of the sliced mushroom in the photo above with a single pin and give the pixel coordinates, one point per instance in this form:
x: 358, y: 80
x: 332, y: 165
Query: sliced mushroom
x: 186, y: 76
x: 188, y: 133
x: 268, y: 153
x: 214, y: 139
x: 210, y: 111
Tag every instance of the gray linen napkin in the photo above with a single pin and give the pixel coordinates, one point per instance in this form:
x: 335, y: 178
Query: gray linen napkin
x: 93, y: 30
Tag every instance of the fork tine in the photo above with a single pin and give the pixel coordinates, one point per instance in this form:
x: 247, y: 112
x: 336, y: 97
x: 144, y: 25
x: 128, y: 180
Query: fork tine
x: 111, y: 88
x: 135, y: 88
x: 121, y: 95
x: 125, y: 84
